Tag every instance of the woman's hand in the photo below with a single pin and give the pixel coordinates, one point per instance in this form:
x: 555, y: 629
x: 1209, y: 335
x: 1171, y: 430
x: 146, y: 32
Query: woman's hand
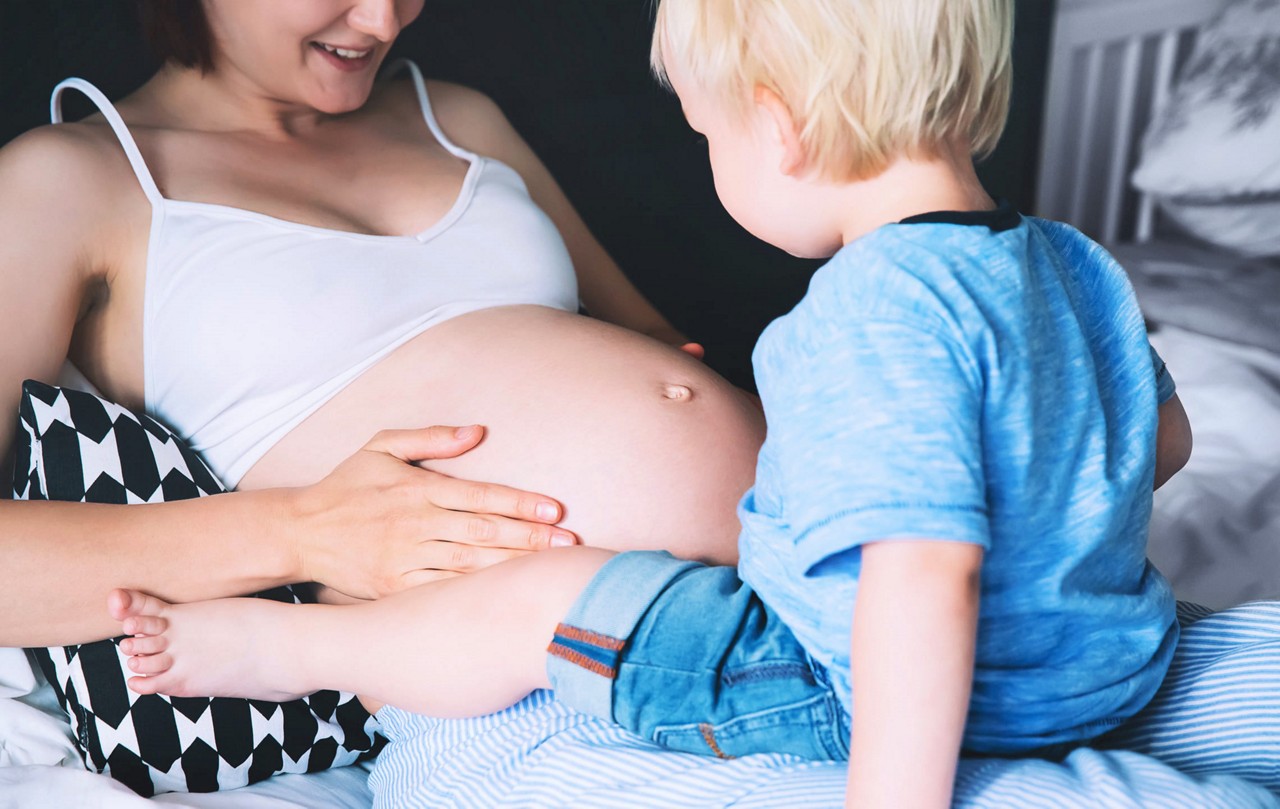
x: 378, y: 524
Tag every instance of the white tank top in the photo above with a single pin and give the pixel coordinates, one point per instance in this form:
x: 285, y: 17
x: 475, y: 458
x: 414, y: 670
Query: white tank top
x: 251, y: 323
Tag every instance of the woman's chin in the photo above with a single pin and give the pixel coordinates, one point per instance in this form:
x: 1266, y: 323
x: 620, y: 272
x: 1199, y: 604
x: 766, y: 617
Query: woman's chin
x: 339, y: 94
x: 340, y: 103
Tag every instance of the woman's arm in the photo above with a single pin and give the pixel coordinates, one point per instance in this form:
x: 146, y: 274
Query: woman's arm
x: 367, y: 529
x: 473, y: 120
x: 45, y: 264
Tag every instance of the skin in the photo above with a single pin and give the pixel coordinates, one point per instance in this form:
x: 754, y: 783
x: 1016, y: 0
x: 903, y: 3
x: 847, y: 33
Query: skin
x: 913, y: 634
x: 274, y: 129
x: 764, y: 182
x: 915, y: 628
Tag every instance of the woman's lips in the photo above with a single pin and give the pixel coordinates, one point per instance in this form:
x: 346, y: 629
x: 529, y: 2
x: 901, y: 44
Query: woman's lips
x: 349, y: 60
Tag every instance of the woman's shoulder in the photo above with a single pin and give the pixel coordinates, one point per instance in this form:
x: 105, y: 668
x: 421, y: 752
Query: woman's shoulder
x: 450, y: 100
x: 444, y: 96
x: 67, y: 193
x: 72, y: 165
x: 469, y: 117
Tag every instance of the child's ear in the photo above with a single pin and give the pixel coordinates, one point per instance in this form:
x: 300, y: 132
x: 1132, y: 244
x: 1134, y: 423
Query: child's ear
x: 784, y: 130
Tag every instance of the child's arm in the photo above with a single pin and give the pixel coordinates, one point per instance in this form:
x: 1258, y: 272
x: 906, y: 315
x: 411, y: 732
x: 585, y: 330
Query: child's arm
x: 1173, y: 440
x: 914, y: 631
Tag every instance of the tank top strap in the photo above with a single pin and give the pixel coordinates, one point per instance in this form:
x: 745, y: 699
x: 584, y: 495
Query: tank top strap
x: 118, y: 126
x: 420, y: 85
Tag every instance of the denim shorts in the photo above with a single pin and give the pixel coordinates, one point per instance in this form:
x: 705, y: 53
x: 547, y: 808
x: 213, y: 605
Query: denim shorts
x: 689, y: 657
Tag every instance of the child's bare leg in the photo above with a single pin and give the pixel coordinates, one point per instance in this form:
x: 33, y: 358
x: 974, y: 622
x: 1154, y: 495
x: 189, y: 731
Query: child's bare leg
x: 327, y: 595
x: 460, y: 647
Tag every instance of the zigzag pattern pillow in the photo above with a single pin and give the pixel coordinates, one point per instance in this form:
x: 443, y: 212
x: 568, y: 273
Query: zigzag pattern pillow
x: 74, y: 446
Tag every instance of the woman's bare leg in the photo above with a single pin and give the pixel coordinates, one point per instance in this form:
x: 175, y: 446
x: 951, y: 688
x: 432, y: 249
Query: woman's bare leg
x: 460, y: 647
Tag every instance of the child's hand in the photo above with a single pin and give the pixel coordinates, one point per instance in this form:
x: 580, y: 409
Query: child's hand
x: 665, y: 333
x: 694, y: 350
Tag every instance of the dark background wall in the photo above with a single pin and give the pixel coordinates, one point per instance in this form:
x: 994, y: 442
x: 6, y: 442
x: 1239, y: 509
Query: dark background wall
x: 572, y: 76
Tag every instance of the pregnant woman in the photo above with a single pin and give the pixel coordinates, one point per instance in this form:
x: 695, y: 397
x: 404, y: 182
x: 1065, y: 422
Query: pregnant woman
x: 280, y: 256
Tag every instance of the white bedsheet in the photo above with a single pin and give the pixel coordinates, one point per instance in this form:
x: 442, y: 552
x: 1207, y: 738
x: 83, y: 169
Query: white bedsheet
x: 1216, y: 528
x: 37, y: 787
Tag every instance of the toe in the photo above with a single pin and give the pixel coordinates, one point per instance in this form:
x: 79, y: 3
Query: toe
x: 124, y: 604
x: 118, y: 604
x: 146, y: 645
x: 147, y: 685
x: 144, y: 625
x: 151, y: 664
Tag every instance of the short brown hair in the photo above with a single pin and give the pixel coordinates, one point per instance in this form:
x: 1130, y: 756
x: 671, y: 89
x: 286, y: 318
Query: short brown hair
x: 178, y: 32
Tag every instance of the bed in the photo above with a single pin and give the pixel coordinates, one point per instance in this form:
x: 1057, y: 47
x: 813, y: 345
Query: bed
x: 1213, y: 316
x: 1214, y: 312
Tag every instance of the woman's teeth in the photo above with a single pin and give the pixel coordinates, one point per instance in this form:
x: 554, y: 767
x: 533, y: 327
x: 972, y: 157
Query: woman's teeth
x: 345, y: 53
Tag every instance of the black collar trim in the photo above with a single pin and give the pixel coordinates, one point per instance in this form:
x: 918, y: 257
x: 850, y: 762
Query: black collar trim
x: 1002, y: 218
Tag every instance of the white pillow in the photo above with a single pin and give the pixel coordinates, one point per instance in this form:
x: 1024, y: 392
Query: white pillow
x: 1212, y: 155
x: 1250, y: 227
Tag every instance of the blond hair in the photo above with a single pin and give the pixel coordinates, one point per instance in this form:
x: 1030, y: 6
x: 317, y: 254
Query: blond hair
x: 865, y: 80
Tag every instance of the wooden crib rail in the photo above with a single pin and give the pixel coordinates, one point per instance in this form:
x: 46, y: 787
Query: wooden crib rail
x: 1112, y: 67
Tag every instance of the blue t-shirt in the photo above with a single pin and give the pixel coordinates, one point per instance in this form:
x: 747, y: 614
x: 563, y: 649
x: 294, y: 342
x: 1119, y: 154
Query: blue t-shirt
x: 982, y: 379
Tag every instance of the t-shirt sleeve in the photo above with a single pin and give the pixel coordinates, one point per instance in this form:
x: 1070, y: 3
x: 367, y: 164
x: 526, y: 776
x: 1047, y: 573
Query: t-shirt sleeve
x: 1165, y: 386
x: 881, y: 439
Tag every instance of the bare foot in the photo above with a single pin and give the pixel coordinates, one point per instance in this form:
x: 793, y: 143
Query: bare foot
x: 234, y: 647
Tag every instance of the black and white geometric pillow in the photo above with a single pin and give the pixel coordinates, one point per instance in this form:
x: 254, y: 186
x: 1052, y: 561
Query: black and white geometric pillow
x: 74, y: 446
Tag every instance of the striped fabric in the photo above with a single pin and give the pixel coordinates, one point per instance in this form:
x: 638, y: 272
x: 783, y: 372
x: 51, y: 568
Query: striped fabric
x: 1219, y: 708
x: 1216, y: 715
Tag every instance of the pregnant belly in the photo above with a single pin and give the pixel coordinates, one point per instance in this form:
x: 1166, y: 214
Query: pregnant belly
x: 645, y: 446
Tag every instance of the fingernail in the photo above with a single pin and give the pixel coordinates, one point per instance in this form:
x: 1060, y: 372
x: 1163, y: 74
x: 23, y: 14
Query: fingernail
x: 547, y: 511
x: 464, y: 432
x: 560, y: 540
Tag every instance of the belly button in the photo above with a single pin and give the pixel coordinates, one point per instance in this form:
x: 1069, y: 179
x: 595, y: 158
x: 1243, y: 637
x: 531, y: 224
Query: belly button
x: 677, y: 393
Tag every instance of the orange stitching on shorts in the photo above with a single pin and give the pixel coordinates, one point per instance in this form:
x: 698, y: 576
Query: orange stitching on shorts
x: 579, y: 659
x: 709, y: 736
x: 594, y: 638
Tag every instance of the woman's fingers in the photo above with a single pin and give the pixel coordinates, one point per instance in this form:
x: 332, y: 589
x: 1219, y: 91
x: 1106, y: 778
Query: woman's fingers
x: 466, y: 558
x: 457, y: 495
x: 501, y: 532
x: 378, y: 517
x: 427, y: 443
x: 460, y: 558
x: 495, y: 502
x: 417, y: 578
x: 328, y: 595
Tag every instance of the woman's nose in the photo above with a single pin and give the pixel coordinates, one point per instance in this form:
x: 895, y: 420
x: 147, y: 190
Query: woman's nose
x: 378, y: 18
